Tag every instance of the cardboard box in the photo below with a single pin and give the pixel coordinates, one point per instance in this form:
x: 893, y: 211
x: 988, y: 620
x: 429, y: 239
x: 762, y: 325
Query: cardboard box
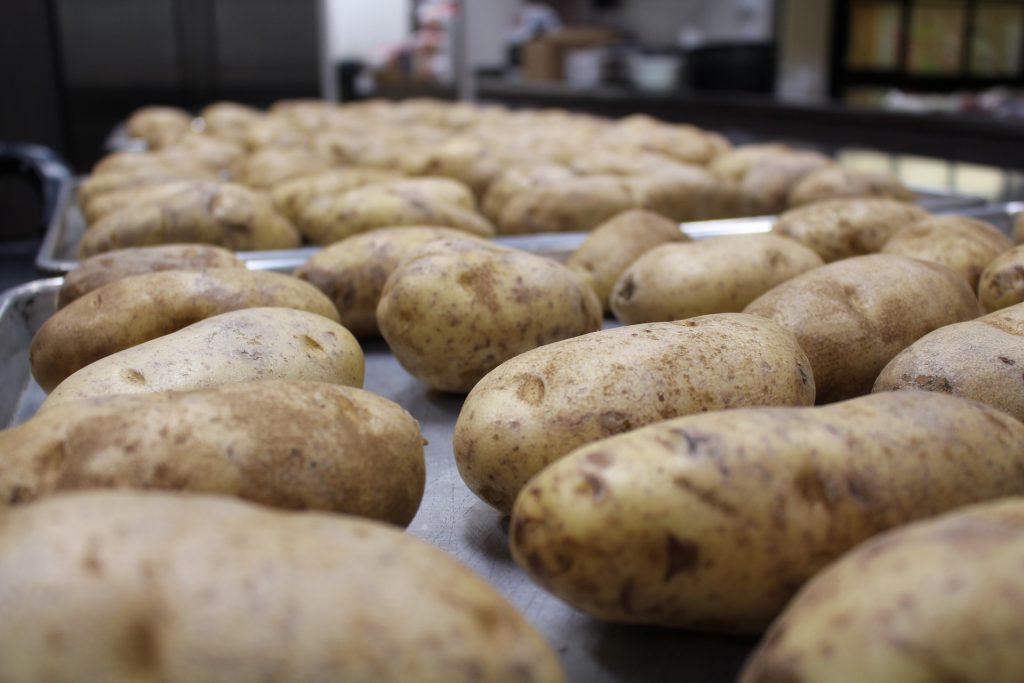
x: 544, y: 57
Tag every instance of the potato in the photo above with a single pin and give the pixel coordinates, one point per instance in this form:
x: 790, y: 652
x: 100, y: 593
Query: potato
x: 464, y: 159
x: 98, y: 185
x: 713, y: 521
x: 416, y: 202
x: 616, y: 243
x: 981, y: 359
x: 680, y: 194
x: 963, y: 244
x: 267, y: 167
x: 766, y: 185
x: 223, y: 214
x: 832, y: 181
x: 735, y: 163
x: 141, y: 163
x: 938, y: 600
x: 717, y: 275
x: 841, y: 228
x: 535, y: 408
x: 355, y: 453
x: 853, y: 316
x: 688, y: 144
x: 517, y: 179
x: 122, y: 587
x: 213, y: 152
x: 155, y: 192
x: 139, y: 308
x: 455, y: 309
x: 580, y: 204
x: 1002, y: 282
x: 352, y: 272
x: 292, y: 196
x: 102, y: 269
x: 158, y: 125
x: 229, y: 120
x: 239, y: 346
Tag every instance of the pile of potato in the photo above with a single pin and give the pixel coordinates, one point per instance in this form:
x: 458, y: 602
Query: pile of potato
x: 317, y: 172
x: 761, y: 445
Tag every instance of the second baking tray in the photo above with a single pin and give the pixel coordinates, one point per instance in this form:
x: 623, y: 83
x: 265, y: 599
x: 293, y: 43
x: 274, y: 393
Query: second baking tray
x: 58, y: 253
x: 451, y: 517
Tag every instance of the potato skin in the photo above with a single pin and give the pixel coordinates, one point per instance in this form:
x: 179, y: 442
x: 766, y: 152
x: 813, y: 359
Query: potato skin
x: 353, y: 272
x: 123, y: 586
x: 717, y: 275
x: 224, y: 214
x: 580, y: 204
x: 948, y: 591
x: 291, y: 196
x: 355, y: 453
x: 102, y: 269
x: 979, y: 359
x: 841, y: 228
x: 239, y: 346
x: 963, y: 244
x: 416, y: 201
x: 456, y: 309
x: 518, y: 179
x: 616, y: 243
x: 535, y: 408
x: 1002, y: 282
x: 139, y: 308
x: 832, y: 182
x: 713, y: 521
x: 853, y: 316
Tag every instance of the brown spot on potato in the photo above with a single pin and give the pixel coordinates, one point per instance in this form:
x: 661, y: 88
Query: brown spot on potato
x: 530, y: 389
x: 592, y: 485
x: 142, y: 648
x: 810, y: 486
x: 628, y: 288
x: 932, y: 383
x: 614, y: 422
x: 18, y: 494
x: 707, y: 496
x: 133, y: 376
x: 311, y: 343
x: 681, y: 556
x: 600, y: 459
x: 1006, y: 360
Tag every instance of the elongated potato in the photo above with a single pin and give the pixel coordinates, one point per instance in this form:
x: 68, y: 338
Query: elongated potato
x: 841, y: 228
x: 832, y: 182
x: 158, y: 125
x: 122, y: 586
x: 115, y: 200
x: 853, y: 316
x: 535, y: 408
x: 518, y: 179
x: 713, y: 521
x: 616, y: 243
x: 102, y: 269
x: 1002, y: 282
x: 98, y: 185
x: 981, y: 359
x: 766, y: 185
x: 963, y: 244
x: 223, y: 214
x: 139, y: 308
x: 415, y: 201
x: 298, y: 445
x: 939, y: 600
x: 353, y: 272
x: 253, y: 343
x: 580, y: 204
x: 456, y: 309
x: 291, y: 196
x: 717, y: 275
x: 265, y: 168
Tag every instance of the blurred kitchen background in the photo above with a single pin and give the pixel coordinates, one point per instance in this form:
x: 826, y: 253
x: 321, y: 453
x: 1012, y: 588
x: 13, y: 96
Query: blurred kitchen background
x: 936, y: 84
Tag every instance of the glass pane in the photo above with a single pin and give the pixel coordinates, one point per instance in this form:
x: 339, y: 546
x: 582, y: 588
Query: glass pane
x: 874, y: 36
x: 995, y: 50
x: 936, y: 37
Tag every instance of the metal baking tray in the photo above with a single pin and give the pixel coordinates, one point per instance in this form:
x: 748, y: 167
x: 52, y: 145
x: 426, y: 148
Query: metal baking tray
x: 58, y: 253
x: 450, y: 517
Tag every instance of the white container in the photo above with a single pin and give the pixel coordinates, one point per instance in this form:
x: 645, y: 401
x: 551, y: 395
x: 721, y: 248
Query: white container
x: 654, y: 73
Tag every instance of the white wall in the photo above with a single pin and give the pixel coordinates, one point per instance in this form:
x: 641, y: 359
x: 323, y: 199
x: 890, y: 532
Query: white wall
x: 355, y: 28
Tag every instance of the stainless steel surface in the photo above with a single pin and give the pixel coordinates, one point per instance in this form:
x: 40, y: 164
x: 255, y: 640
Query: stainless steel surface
x: 450, y: 517
x: 59, y: 251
